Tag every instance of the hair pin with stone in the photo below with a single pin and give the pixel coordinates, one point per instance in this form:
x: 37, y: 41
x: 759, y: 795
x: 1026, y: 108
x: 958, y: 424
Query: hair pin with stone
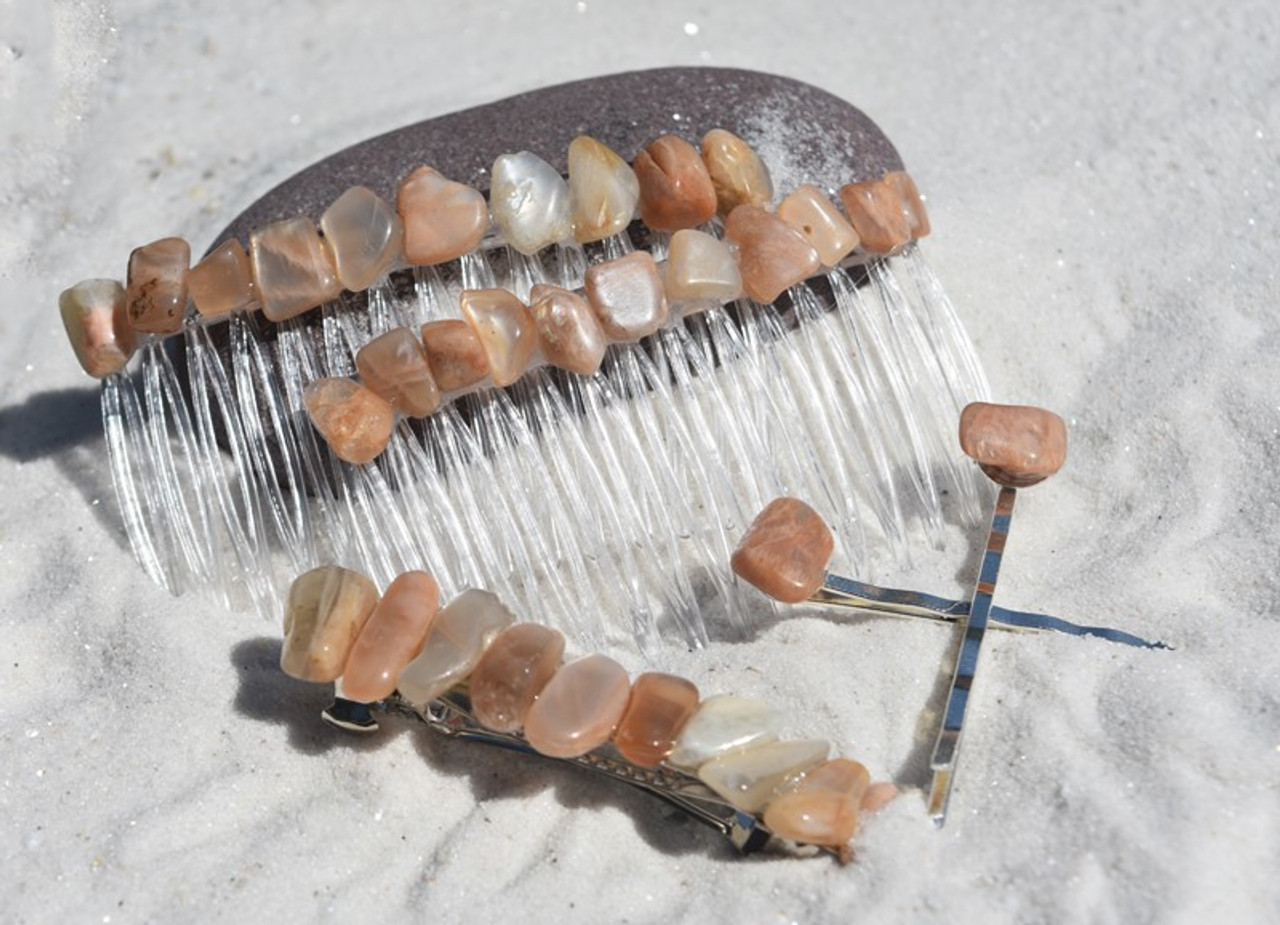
x: 785, y: 553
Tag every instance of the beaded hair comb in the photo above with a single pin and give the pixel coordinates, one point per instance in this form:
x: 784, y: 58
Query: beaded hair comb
x: 537, y: 394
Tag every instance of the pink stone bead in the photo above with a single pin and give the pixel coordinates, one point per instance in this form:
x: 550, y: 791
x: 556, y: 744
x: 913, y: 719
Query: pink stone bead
x: 512, y: 672
x: 810, y: 212
x: 675, y: 189
x: 876, y: 210
x: 821, y: 807
x: 772, y: 255
x: 93, y: 313
x: 579, y: 708
x: 660, y: 705
x: 326, y: 609
x: 394, y: 365
x: 365, y: 236
x: 442, y: 219
x: 913, y: 205
x: 454, y: 353
x: 157, y: 287
x: 505, y: 328
x: 785, y: 551
x: 1016, y: 445
x: 356, y: 422
x: 568, y: 331
x: 878, y: 795
x: 222, y: 282
x: 292, y: 268
x: 391, y: 637
x: 627, y: 296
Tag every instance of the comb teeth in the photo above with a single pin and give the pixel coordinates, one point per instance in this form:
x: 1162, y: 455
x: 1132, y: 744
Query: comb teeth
x: 606, y: 505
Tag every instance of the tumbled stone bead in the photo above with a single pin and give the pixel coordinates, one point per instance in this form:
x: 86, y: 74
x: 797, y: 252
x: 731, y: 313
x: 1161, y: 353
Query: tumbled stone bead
x: 529, y: 201
x: 772, y: 256
x: 157, y: 286
x: 222, y: 282
x: 875, y: 209
x: 701, y: 268
x: 512, y: 672
x: 603, y: 190
x: 579, y: 708
x: 325, y: 611
x: 912, y: 204
x: 675, y: 189
x: 355, y: 421
x: 660, y: 706
x: 810, y: 212
x: 394, y: 365
x: 738, y: 174
x: 627, y: 296
x: 748, y: 778
x: 292, y: 268
x: 878, y: 796
x: 458, y: 637
x: 821, y: 806
x: 505, y: 328
x: 454, y: 353
x: 365, y: 235
x: 568, y: 331
x: 723, y: 724
x: 442, y: 219
x: 1016, y: 445
x: 93, y: 312
x: 391, y: 637
x: 785, y: 551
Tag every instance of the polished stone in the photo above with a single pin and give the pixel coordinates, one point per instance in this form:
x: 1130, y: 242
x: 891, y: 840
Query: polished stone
x: 627, y: 296
x: 785, y: 551
x: 454, y: 353
x: 324, y: 613
x: 1016, y: 445
x: 505, y: 328
x: 292, y: 268
x: 97, y: 324
x: 355, y: 421
x: 912, y: 203
x: 772, y: 256
x: 156, y: 293
x: 876, y: 211
x: 810, y: 212
x: 512, y: 672
x: 442, y: 219
x: 675, y: 188
x: 701, y: 268
x: 738, y: 174
x: 570, y: 336
x: 365, y: 236
x: 878, y: 795
x: 723, y: 724
x: 457, y: 639
x: 395, y: 366
x: 748, y: 777
x: 529, y: 201
x: 579, y: 708
x: 603, y: 190
x: 659, y: 707
x: 821, y: 806
x: 391, y: 637
x: 222, y: 282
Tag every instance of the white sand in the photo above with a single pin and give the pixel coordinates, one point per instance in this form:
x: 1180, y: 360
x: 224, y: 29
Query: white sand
x: 1103, y: 189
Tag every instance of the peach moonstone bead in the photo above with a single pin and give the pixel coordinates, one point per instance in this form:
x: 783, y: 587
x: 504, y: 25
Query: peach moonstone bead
x: 457, y: 638
x: 579, y: 708
x: 875, y: 208
x: 568, y: 331
x: 355, y: 421
x: 292, y: 267
x: 627, y: 296
x: 512, y: 672
x: 391, y: 637
x: 1016, y: 445
x: 93, y: 312
x: 912, y: 204
x: 738, y: 174
x: 157, y: 286
x: 701, y: 268
x: 454, y: 353
x: 505, y: 328
x: 442, y: 219
x: 748, y: 778
x: 810, y: 212
x: 603, y: 190
x: 395, y: 366
x: 785, y: 551
x: 222, y: 282
x: 675, y: 188
x: 660, y: 705
x: 326, y: 609
x: 821, y: 806
x: 365, y: 235
x: 772, y: 255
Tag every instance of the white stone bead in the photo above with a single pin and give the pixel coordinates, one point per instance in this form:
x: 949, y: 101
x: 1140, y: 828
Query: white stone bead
x: 701, y: 268
x: 459, y: 635
x: 529, y: 202
x: 723, y: 724
x: 748, y: 778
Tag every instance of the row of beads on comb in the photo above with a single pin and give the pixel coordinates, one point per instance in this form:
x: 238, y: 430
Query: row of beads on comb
x: 292, y: 267
x: 337, y: 626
